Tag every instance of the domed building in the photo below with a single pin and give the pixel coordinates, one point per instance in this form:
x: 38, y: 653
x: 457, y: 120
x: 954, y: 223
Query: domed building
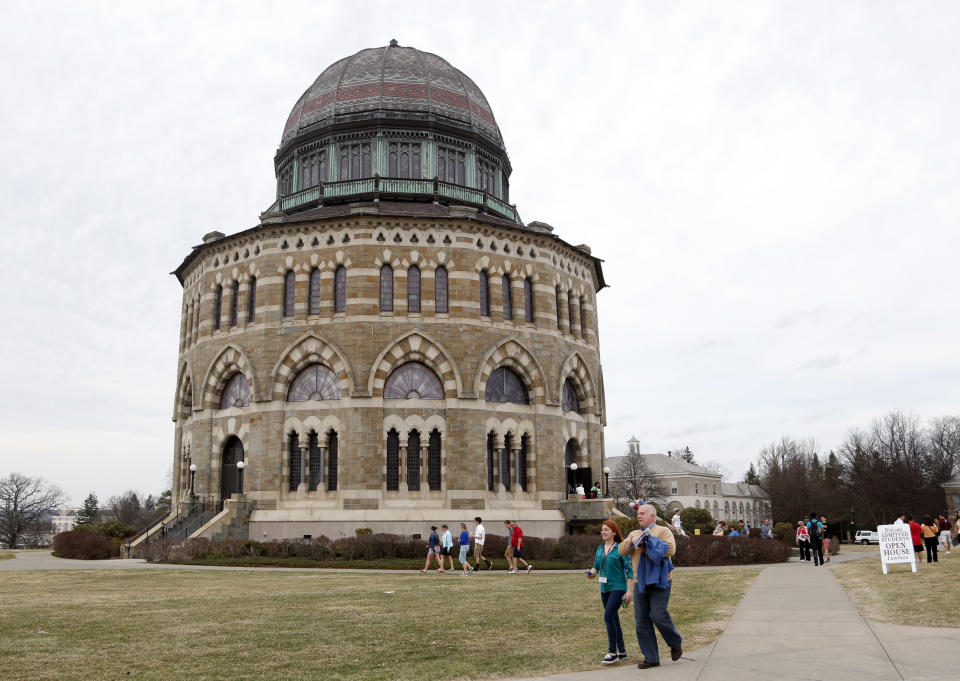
x: 390, y: 346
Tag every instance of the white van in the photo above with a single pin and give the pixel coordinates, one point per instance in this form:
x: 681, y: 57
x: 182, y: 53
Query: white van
x: 867, y: 537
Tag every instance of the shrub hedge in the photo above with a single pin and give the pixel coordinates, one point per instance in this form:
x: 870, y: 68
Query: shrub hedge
x: 575, y: 549
x: 84, y: 545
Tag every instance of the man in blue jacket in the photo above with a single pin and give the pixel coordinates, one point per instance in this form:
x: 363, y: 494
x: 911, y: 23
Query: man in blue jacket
x: 650, y: 549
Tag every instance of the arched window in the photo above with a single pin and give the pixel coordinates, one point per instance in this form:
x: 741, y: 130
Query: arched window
x: 234, y: 302
x: 570, y: 400
x: 314, y: 304
x: 570, y: 310
x: 413, y: 460
x: 484, y: 294
x: 316, y: 382
x: 507, y: 298
x: 698, y: 503
x: 433, y: 461
x: 528, y: 299
x: 289, y: 290
x: 491, y: 446
x: 559, y: 313
x: 355, y: 161
x: 296, y: 463
x: 252, y: 300
x: 583, y: 323
x: 393, y: 460
x: 522, y: 461
x: 315, y: 461
x: 413, y: 380
x: 386, y: 288
x: 504, y: 385
x: 217, y: 307
x: 403, y: 159
x: 340, y: 290
x: 236, y: 393
x: 413, y: 289
x: 333, y: 455
x: 440, y: 290
x: 505, y: 453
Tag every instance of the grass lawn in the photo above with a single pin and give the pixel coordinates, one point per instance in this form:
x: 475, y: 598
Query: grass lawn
x: 382, y: 564
x: 275, y: 626
x: 7, y: 555
x: 927, y: 598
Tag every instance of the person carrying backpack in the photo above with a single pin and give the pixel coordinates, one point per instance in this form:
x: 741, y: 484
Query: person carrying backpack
x: 815, y: 530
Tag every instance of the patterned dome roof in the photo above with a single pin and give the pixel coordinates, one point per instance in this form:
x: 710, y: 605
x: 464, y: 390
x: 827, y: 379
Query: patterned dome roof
x: 387, y: 80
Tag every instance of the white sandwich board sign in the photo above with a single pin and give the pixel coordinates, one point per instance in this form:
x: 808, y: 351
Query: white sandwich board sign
x: 896, y: 546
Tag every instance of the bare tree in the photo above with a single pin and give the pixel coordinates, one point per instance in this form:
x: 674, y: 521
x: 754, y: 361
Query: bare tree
x: 633, y: 479
x: 25, y: 505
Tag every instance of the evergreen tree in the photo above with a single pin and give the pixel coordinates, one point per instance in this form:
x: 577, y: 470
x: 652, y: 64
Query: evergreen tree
x: 90, y: 513
x: 751, y: 478
x: 687, y: 455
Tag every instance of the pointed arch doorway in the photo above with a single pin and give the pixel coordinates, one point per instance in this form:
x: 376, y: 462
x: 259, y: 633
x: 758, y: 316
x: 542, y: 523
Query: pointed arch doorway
x: 229, y: 475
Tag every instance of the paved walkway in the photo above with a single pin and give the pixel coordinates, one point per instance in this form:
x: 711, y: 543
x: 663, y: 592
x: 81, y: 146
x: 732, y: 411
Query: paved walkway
x: 795, y: 623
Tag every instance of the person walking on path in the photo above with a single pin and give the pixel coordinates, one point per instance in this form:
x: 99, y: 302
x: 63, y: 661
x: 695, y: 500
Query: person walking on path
x: 616, y: 587
x: 826, y: 538
x: 945, y: 528
x: 650, y: 549
x: 479, y: 536
x: 916, y: 534
x: 678, y: 524
x: 803, y: 541
x: 446, y: 546
x: 930, y: 532
x: 464, y: 542
x: 514, y: 551
x: 815, y: 530
x: 433, y: 550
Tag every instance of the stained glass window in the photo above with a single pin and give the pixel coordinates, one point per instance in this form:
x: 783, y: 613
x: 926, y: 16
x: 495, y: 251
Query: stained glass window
x: 440, y: 290
x: 252, y: 300
x: 340, y: 290
x: 486, y: 177
x: 433, y: 460
x: 451, y: 165
x: 286, y: 180
x: 316, y: 382
x: 293, y: 449
x: 217, y: 307
x: 314, y: 304
x: 413, y: 460
x: 393, y: 460
x: 570, y: 401
x: 504, y: 385
x: 507, y: 298
x: 413, y: 289
x: 386, y: 289
x: 355, y: 161
x: 528, y: 299
x: 289, y: 291
x: 505, y: 461
x: 522, y: 461
x: 484, y: 294
x: 333, y: 453
x: 236, y: 393
x: 413, y: 380
x: 403, y: 159
x: 234, y: 302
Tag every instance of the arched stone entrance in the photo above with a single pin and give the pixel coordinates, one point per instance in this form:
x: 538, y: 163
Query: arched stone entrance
x: 229, y: 475
x: 571, y: 454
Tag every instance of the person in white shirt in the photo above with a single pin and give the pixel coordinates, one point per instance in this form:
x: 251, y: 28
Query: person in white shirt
x: 479, y: 536
x: 677, y: 525
x: 446, y: 546
x: 582, y: 493
x: 900, y: 520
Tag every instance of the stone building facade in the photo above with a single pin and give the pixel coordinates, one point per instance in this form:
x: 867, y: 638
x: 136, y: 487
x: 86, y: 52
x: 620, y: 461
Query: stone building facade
x: 390, y: 346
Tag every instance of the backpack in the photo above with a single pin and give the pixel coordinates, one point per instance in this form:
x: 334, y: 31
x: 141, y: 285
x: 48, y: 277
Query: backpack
x: 814, y: 530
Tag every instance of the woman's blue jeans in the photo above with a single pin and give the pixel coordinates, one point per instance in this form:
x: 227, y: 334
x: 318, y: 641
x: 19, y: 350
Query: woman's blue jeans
x: 611, y: 617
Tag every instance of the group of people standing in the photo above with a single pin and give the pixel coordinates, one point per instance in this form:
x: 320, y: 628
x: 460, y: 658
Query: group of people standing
x: 441, y: 547
x: 813, y: 538
x: 930, y: 534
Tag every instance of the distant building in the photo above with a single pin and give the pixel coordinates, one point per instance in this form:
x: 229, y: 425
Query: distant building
x: 689, y: 485
x: 951, y: 491
x: 65, y: 520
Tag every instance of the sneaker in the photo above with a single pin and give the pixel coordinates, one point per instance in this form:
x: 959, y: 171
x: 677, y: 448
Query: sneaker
x: 622, y: 656
x: 511, y: 572
x: 489, y: 565
x: 610, y: 658
x: 529, y: 568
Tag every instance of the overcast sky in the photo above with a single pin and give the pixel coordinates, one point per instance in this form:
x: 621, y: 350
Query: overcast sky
x: 773, y: 188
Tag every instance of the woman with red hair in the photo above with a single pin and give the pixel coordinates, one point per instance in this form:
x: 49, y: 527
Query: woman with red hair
x: 615, y: 574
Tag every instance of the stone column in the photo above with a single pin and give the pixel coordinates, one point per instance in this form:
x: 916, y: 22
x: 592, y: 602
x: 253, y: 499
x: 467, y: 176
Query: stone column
x: 424, y: 464
x: 304, y: 467
x: 402, y: 462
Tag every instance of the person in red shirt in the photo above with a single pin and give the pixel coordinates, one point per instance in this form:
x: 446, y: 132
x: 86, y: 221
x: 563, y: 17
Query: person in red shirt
x: 916, y: 534
x: 514, y: 551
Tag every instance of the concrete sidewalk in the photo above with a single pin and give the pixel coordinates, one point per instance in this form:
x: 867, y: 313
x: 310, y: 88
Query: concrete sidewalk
x: 796, y: 623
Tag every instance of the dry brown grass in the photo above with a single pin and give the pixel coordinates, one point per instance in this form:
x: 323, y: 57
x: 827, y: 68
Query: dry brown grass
x: 927, y: 598
x: 261, y: 626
